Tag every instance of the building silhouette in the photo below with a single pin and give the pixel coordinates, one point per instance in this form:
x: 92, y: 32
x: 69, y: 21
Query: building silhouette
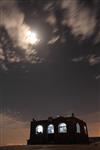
x: 60, y: 130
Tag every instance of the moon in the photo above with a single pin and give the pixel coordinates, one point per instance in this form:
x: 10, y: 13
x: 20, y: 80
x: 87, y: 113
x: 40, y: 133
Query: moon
x: 32, y: 38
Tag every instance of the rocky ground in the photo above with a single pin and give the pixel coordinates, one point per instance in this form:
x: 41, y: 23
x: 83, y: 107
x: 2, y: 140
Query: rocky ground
x: 94, y: 146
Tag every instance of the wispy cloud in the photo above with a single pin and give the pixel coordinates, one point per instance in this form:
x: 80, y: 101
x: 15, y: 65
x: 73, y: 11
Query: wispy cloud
x: 93, y: 60
x: 54, y: 40
x: 59, y: 15
x: 12, y: 19
x: 51, y: 19
x: 81, y: 20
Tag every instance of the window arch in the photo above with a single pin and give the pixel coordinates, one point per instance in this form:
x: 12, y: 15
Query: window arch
x: 78, y: 128
x: 62, y: 128
x: 50, y: 129
x: 39, y: 129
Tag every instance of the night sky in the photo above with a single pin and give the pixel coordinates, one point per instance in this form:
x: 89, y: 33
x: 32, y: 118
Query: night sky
x: 58, y: 75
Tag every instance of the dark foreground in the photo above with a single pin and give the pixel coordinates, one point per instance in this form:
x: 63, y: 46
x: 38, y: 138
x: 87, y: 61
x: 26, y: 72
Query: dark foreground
x: 95, y: 146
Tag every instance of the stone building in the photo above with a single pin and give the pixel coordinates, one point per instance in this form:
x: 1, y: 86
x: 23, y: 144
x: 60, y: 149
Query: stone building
x: 60, y: 130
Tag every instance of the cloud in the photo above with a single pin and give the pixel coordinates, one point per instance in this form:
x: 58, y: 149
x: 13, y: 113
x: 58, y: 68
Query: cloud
x: 54, y: 40
x: 51, y: 19
x: 59, y: 15
x: 78, y: 59
x: 12, y: 18
x: 80, y: 19
x: 93, y: 60
x: 98, y: 76
x: 12, y: 130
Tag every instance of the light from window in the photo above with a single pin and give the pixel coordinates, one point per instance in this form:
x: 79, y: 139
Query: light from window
x: 85, y: 129
x: 77, y: 128
x: 39, y: 129
x: 50, y: 129
x: 62, y: 128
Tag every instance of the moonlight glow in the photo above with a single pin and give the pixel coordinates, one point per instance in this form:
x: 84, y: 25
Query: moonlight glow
x: 31, y: 38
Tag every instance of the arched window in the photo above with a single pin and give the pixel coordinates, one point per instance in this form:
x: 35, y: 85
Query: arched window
x: 85, y: 129
x: 77, y: 128
x: 50, y: 129
x: 39, y: 129
x: 62, y: 128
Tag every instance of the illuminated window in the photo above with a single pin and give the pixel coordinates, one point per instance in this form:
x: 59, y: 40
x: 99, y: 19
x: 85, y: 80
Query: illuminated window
x: 77, y: 128
x: 39, y: 129
x: 85, y: 129
x: 50, y: 129
x: 62, y: 128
